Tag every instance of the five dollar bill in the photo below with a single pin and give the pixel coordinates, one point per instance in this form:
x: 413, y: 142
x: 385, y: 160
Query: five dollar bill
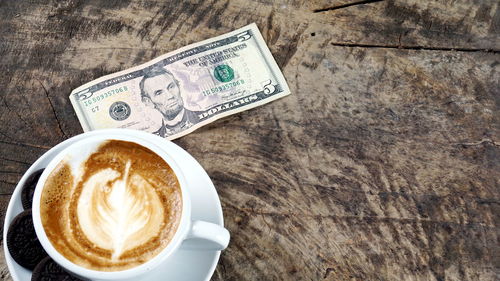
x: 183, y: 90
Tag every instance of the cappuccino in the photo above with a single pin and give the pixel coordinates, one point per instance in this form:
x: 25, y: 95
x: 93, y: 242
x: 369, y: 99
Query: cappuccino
x: 117, y: 210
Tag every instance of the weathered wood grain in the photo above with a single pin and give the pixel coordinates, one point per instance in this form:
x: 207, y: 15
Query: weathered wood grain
x: 15, y: 159
x: 371, y: 171
x: 4, y: 271
x: 382, y: 165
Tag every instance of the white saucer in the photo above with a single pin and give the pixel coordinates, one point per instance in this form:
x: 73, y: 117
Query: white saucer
x: 189, y: 265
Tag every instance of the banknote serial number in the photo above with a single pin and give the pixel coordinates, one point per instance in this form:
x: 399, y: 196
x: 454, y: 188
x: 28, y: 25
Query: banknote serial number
x: 223, y: 87
x: 98, y: 98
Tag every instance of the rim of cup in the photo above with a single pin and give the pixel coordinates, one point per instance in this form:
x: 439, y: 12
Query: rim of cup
x: 96, y: 140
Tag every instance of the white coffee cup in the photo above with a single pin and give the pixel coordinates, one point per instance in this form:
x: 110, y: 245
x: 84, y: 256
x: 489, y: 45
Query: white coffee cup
x: 217, y: 237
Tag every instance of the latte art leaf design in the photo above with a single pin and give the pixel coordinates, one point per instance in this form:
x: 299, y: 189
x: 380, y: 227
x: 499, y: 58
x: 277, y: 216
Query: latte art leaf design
x: 118, y: 211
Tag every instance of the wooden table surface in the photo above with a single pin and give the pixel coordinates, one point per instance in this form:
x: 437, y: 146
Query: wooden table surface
x: 383, y: 164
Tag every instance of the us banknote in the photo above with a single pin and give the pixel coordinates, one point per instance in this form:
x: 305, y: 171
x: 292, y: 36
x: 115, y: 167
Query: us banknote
x: 183, y: 90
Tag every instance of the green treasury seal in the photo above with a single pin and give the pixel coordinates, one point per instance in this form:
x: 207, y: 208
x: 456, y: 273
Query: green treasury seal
x: 224, y: 73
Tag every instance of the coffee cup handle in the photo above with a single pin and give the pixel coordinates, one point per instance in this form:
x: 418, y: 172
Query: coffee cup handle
x: 216, y: 235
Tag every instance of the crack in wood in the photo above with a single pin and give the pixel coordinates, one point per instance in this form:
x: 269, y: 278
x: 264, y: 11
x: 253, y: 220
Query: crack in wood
x: 488, y: 201
x: 16, y: 113
x: 13, y: 160
x: 26, y: 144
x: 418, y: 48
x: 53, y: 109
x: 481, y: 142
x: 10, y: 172
x: 364, y: 2
x: 7, y: 136
x: 7, y: 182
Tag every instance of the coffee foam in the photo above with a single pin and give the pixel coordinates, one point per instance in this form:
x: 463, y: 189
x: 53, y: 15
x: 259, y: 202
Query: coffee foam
x: 117, y: 210
x: 118, y: 214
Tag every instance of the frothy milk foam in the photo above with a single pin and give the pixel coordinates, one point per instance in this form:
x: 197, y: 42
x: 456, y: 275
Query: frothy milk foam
x: 117, y: 210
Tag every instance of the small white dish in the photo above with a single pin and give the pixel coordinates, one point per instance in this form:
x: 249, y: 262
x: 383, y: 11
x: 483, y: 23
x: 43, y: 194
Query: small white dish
x: 185, y: 264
